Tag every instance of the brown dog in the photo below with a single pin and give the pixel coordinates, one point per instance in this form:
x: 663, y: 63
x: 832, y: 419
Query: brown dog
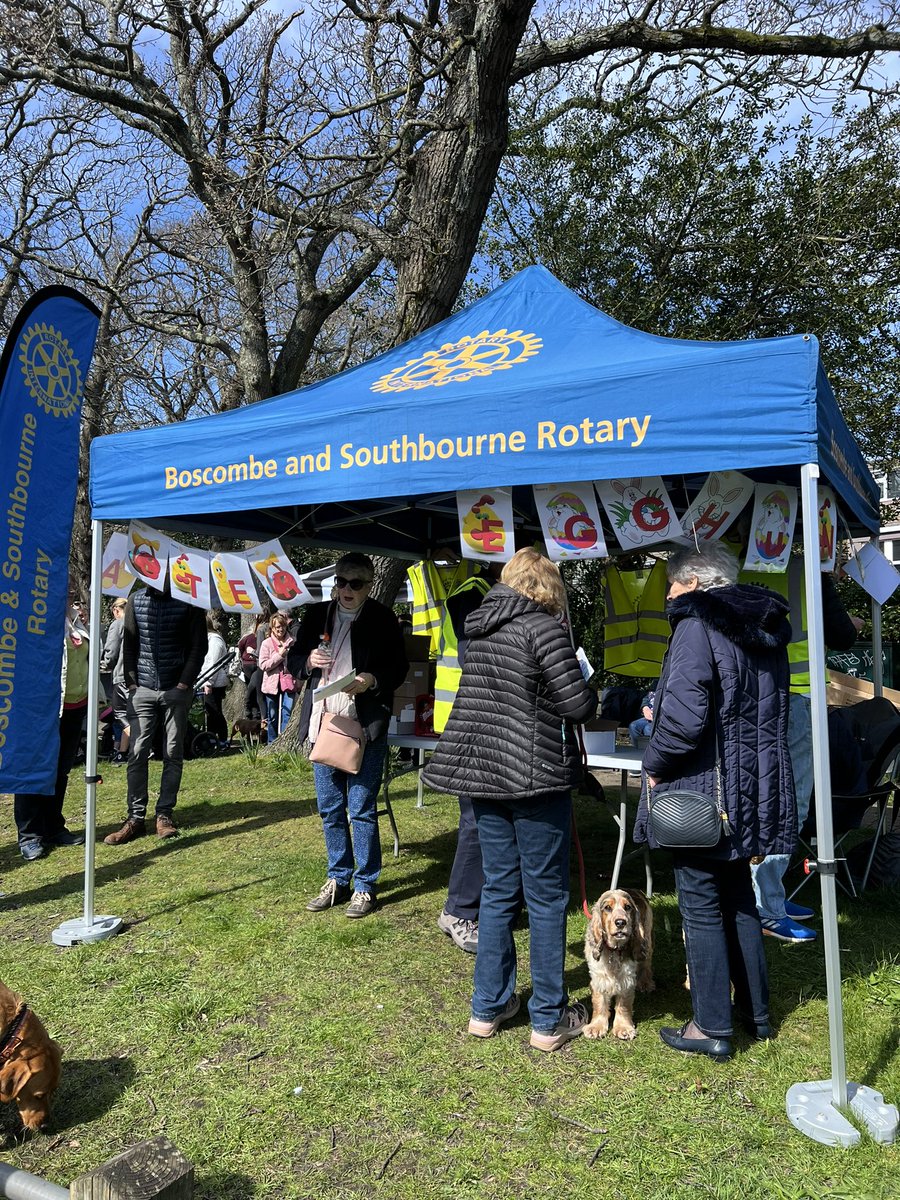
x: 247, y: 728
x: 30, y: 1063
x: 618, y: 947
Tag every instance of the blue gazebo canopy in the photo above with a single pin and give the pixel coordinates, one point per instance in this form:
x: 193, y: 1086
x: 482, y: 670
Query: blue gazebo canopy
x: 528, y: 385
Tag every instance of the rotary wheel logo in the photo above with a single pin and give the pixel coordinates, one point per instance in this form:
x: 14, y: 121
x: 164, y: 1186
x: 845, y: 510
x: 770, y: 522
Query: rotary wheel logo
x: 51, y: 370
x: 457, y: 362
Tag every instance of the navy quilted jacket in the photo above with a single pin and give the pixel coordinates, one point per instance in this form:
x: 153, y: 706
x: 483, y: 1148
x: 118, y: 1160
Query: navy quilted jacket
x: 510, y: 733
x: 163, y: 641
x: 726, y: 670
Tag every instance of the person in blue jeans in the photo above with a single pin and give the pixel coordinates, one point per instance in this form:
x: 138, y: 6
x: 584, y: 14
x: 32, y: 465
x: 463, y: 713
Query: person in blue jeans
x: 643, y: 725
x: 352, y: 633
x: 510, y: 744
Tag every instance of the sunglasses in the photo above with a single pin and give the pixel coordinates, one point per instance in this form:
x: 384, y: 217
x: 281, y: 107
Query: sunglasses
x: 356, y: 584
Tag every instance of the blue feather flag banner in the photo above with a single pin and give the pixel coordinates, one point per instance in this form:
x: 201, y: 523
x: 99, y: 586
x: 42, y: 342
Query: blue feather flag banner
x: 42, y: 373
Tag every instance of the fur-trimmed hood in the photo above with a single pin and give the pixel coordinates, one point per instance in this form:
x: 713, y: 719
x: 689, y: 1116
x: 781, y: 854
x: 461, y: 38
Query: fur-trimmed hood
x: 753, y: 617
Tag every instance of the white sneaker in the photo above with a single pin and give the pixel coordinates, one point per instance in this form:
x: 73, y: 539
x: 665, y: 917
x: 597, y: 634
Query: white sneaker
x: 571, y: 1023
x: 487, y: 1028
x: 464, y: 933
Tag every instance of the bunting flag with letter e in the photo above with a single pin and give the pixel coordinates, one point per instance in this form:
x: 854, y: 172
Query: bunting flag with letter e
x: 486, y: 524
x: 42, y: 373
x: 233, y: 577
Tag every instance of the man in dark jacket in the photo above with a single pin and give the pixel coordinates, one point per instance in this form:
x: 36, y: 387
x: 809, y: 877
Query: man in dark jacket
x: 163, y: 646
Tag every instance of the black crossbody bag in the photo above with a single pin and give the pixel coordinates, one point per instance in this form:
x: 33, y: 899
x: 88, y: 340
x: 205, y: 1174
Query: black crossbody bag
x: 688, y: 820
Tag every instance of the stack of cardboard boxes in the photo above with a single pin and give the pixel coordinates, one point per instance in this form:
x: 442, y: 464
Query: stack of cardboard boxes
x: 419, y: 682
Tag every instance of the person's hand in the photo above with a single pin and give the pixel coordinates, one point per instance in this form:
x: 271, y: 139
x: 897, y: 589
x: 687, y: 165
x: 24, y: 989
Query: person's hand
x: 361, y: 683
x: 652, y: 781
x: 207, y: 689
x: 318, y: 660
x: 858, y: 623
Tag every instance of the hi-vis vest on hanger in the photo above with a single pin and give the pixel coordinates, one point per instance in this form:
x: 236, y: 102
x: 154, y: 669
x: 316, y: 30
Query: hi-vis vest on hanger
x: 636, y: 629
x: 790, y: 585
x: 431, y: 585
x: 449, y: 672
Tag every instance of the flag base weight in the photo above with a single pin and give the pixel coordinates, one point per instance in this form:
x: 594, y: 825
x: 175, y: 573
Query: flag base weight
x: 810, y: 1109
x: 78, y: 930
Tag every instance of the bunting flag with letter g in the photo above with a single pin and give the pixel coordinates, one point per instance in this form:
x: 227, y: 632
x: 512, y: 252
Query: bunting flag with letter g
x: 42, y: 373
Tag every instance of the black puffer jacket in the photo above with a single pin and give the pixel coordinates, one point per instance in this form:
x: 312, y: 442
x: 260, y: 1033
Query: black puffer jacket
x: 725, y: 682
x: 163, y: 641
x: 510, y: 733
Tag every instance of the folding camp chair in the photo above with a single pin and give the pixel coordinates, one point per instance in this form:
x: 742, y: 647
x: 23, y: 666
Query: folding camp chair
x: 883, y: 778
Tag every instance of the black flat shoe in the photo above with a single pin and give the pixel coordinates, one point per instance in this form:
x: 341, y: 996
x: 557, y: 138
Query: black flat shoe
x: 65, y: 837
x: 718, y: 1048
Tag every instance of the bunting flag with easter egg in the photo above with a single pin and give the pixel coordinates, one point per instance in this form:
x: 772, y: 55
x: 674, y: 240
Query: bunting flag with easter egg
x: 639, y: 510
x: 117, y: 579
x: 570, y: 519
x: 278, y: 575
x: 486, y: 524
x: 827, y: 528
x: 189, y: 575
x: 233, y: 577
x: 771, y: 527
x: 148, y: 554
x: 717, y: 505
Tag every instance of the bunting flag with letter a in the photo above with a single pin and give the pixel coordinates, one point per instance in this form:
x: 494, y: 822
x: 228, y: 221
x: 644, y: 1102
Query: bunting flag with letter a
x: 42, y: 373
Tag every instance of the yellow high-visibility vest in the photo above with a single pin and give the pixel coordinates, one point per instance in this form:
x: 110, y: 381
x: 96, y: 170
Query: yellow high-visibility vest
x: 790, y: 585
x: 449, y: 672
x: 636, y: 629
x: 431, y: 585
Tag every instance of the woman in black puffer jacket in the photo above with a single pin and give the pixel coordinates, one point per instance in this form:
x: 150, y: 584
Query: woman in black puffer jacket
x: 510, y: 744
x: 723, y: 691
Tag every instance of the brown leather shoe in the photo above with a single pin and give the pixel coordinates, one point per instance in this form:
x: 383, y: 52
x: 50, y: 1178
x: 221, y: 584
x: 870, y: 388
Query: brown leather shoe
x: 165, y: 826
x: 133, y: 828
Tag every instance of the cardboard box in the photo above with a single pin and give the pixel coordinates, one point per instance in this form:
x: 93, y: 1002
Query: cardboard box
x: 418, y: 648
x: 600, y: 736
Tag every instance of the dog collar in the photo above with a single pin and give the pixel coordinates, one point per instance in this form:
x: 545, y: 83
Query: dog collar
x: 9, y: 1041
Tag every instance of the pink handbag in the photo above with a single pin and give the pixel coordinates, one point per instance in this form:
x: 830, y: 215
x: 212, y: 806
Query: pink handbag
x: 340, y: 743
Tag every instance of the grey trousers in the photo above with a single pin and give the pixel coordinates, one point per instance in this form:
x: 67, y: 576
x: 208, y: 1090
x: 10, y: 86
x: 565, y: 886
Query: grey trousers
x: 146, y: 708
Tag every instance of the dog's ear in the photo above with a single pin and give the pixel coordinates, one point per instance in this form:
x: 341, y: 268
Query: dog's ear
x: 13, y: 1078
x: 642, y: 937
x: 594, y: 939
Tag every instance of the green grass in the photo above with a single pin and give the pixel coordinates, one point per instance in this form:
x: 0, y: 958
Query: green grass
x: 223, y: 996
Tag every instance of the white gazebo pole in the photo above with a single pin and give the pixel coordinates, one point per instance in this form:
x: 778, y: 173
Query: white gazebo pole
x: 90, y: 928
x: 877, y: 664
x: 814, y: 1107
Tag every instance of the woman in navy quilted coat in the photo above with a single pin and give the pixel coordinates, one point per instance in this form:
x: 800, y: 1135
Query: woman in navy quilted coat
x: 511, y: 745
x: 723, y: 690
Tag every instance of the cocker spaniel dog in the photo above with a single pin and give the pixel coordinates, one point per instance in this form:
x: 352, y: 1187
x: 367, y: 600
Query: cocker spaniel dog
x: 618, y: 947
x: 30, y: 1063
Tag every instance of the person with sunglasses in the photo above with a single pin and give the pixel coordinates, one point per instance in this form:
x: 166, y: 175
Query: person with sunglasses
x: 351, y: 632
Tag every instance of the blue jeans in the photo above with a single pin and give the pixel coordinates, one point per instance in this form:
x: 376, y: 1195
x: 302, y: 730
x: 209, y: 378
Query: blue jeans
x: 723, y: 939
x: 340, y: 796
x: 768, y: 876
x: 524, y: 849
x: 639, y: 728
x: 274, y: 723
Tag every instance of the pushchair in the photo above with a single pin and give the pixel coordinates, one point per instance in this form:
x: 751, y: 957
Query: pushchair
x: 202, y: 743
